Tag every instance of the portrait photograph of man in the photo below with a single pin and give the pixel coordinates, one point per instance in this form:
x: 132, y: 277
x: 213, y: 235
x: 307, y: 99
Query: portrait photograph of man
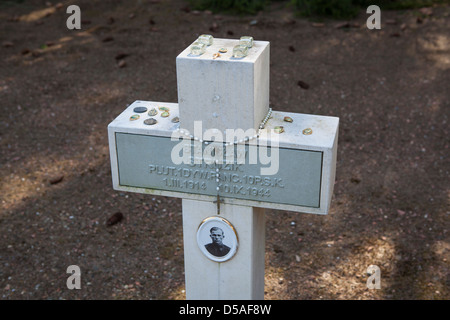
x: 216, y: 247
x: 217, y: 239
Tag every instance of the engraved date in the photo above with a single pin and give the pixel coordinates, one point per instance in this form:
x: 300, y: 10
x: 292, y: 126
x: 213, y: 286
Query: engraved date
x: 184, y: 184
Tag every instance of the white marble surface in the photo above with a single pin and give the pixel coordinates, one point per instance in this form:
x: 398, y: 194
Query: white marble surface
x: 225, y: 92
x: 241, y: 277
x: 229, y: 93
x: 324, y: 127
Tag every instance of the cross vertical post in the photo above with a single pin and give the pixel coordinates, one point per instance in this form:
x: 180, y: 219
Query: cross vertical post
x: 224, y: 93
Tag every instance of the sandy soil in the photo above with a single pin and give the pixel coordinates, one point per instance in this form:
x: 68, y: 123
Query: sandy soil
x: 60, y: 88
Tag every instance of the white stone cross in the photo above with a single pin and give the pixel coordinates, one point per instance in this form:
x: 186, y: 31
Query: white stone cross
x: 229, y: 157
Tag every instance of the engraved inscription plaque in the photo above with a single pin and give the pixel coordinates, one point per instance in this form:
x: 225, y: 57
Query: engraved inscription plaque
x: 144, y: 161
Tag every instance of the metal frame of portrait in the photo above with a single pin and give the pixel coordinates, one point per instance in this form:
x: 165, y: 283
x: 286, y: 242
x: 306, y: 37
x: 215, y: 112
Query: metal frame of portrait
x: 211, y: 250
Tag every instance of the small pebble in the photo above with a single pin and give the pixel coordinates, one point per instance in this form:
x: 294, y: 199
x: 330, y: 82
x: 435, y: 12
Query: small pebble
x: 115, y: 218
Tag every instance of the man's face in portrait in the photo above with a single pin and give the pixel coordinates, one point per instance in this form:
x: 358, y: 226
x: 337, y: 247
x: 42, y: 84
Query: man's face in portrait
x: 217, y: 236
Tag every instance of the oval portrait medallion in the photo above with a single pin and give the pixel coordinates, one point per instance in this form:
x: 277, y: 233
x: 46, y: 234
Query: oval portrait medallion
x: 217, y: 239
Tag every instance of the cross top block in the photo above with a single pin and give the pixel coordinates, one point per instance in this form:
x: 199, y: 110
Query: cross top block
x: 224, y: 92
x: 254, y: 52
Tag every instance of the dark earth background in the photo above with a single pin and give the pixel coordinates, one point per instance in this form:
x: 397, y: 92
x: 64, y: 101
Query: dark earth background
x: 60, y: 88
